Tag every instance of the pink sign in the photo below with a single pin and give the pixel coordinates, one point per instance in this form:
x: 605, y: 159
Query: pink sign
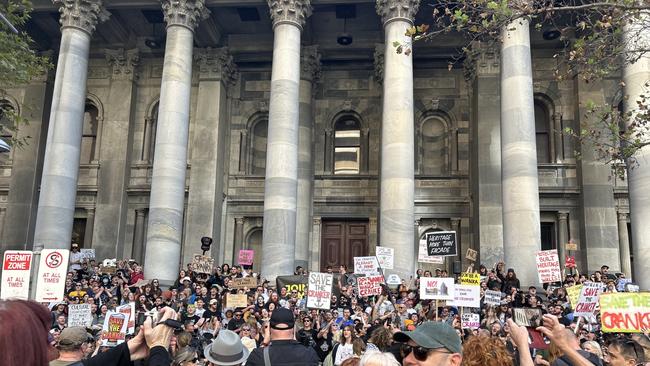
x: 246, y: 257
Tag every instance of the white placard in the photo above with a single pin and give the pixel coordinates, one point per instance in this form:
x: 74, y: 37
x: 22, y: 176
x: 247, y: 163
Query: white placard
x: 114, y: 330
x: 385, y: 256
x: 588, y: 299
x: 87, y: 254
x: 16, y: 271
x: 424, y: 257
x: 129, y: 310
x: 468, y: 296
x: 319, y: 290
x: 435, y: 288
x: 366, y: 265
x: 548, y: 266
x: 492, y: 297
x: 52, y: 270
x: 79, y: 315
x: 393, y: 279
x: 470, y: 321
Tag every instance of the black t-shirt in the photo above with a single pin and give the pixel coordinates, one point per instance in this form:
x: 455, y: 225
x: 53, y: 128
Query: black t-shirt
x: 323, y: 346
x: 285, y: 353
x: 194, y: 318
x: 208, y: 314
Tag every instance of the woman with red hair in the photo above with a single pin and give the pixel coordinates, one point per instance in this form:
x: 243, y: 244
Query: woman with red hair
x: 18, y: 326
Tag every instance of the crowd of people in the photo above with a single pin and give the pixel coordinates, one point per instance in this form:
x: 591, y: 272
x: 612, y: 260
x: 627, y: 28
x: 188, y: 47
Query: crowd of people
x: 276, y: 327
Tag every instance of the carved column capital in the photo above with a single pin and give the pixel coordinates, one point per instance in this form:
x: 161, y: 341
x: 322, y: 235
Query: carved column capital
x: 486, y: 60
x: 216, y: 64
x: 562, y: 216
x: 140, y: 212
x: 622, y: 216
x: 81, y: 14
x: 124, y: 63
x: 380, y: 49
x: 310, y: 64
x: 390, y: 10
x: 293, y: 12
x: 239, y: 221
x: 186, y: 13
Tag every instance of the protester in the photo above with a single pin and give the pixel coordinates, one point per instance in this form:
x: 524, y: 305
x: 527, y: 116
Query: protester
x: 430, y: 344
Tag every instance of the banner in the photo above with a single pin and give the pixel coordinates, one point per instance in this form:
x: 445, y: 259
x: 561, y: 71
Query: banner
x: 128, y: 310
x: 52, y: 271
x: 625, y: 312
x: 468, y: 296
x: 202, y: 263
x: 16, y: 271
x: 573, y: 294
x: 114, y: 329
x: 470, y: 321
x: 588, y: 299
x: 291, y: 283
x: 243, y: 282
x: 246, y: 257
x: 471, y: 254
x: 236, y: 301
x: 79, y: 315
x: 492, y: 297
x: 424, y: 257
x: 319, y: 293
x: 473, y: 279
x: 366, y: 265
x: 385, y: 256
x: 370, y: 285
x: 442, y: 243
x: 435, y: 288
x: 548, y: 266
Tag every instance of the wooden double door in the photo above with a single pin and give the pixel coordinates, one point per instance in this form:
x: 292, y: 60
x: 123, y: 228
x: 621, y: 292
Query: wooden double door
x: 341, y: 241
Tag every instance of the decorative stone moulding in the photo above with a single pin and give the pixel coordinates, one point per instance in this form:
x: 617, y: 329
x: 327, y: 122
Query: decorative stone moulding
x: 81, y: 14
x: 186, y: 13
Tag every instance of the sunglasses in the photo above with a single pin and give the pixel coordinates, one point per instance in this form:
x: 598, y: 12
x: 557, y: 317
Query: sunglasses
x: 420, y: 353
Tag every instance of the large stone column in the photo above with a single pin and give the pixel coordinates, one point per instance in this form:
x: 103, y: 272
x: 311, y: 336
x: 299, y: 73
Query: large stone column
x: 56, y: 202
x: 637, y: 82
x: 216, y: 72
x: 115, y: 155
x: 309, y: 74
x: 281, y: 181
x: 521, y: 232
x: 396, y: 204
x: 624, y: 245
x: 164, y: 233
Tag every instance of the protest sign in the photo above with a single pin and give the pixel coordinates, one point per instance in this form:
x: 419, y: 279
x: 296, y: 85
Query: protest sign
x: 424, y: 257
x: 370, y: 285
x: 625, y: 312
x: 471, y: 254
x: 588, y: 299
x: 114, y: 330
x: 87, y: 254
x: 466, y: 296
x: 570, y: 261
x: 436, y: 288
x: 470, y: 321
x: 548, y: 266
x: 470, y: 279
x: 292, y: 283
x: 527, y: 317
x: 366, y: 265
x: 16, y: 270
x: 52, y: 271
x: 79, y: 315
x: 393, y: 280
x: 385, y: 256
x: 573, y: 293
x: 243, y: 282
x: 246, y: 257
x: 128, y: 310
x: 236, y: 301
x: 492, y: 297
x: 202, y: 263
x: 442, y: 243
x: 571, y: 246
x: 319, y: 290
x: 632, y: 288
x: 620, y: 286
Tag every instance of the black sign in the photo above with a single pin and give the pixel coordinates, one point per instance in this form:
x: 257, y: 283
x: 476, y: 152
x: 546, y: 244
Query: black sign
x: 442, y: 243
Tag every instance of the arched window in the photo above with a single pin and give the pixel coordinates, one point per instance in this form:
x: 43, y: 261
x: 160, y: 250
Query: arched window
x: 254, y: 242
x: 347, y: 146
x: 257, y: 152
x: 89, y: 133
x: 543, y: 133
x: 434, y: 146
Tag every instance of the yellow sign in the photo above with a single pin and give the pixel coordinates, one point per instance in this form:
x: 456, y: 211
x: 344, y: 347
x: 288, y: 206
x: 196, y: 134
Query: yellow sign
x: 236, y: 301
x: 571, y: 246
x: 573, y: 293
x: 625, y: 312
x: 470, y: 279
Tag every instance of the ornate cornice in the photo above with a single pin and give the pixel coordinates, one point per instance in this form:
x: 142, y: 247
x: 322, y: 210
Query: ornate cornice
x: 310, y: 64
x: 216, y: 64
x: 81, y: 14
x: 390, y: 10
x: 186, y: 13
x: 124, y: 63
x: 293, y: 12
x: 380, y: 49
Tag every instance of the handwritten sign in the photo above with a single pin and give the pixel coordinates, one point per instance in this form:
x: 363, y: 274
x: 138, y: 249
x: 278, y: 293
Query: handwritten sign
x: 548, y: 266
x: 202, y: 263
x: 370, y: 285
x: 243, y: 282
x: 16, y: 271
x: 436, y: 288
x: 471, y: 254
x: 52, y: 271
x: 620, y: 286
x: 79, y: 315
x: 571, y: 246
x: 246, y: 257
x: 570, y: 261
x: 492, y: 297
x: 385, y: 256
x: 467, y: 278
x: 114, y: 330
x: 625, y: 312
x: 236, y: 301
x: 470, y: 321
x: 319, y: 290
x: 393, y: 279
x: 466, y: 296
x: 442, y: 243
x: 573, y: 293
x: 366, y: 265
x: 588, y: 299
x: 424, y: 257
x: 87, y: 254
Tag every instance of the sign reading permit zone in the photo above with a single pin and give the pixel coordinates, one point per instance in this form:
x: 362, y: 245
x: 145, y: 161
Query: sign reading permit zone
x: 442, y: 243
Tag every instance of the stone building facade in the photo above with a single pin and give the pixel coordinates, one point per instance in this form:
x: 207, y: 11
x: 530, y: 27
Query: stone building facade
x: 354, y: 159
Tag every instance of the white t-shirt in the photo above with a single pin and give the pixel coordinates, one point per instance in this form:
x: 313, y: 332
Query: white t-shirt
x: 343, y: 352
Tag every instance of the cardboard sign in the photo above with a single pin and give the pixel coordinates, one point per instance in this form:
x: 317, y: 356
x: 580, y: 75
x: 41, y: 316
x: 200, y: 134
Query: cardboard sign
x: 202, y: 263
x: 129, y: 310
x: 424, y: 257
x: 492, y: 297
x: 625, y: 312
x: 87, y: 254
x: 16, y: 271
x: 471, y: 254
x: 548, y: 266
x: 366, y: 265
x: 236, y: 301
x: 571, y: 246
x: 114, y: 330
x: 293, y: 283
x: 385, y: 256
x: 473, y: 279
x: 435, y: 288
x: 369, y: 286
x: 527, y: 317
x: 52, y: 271
x: 573, y: 294
x: 393, y: 280
x: 245, y: 257
x: 466, y: 296
x: 319, y: 290
x: 442, y: 243
x: 588, y: 299
x: 470, y: 321
x: 79, y: 315
x: 243, y: 282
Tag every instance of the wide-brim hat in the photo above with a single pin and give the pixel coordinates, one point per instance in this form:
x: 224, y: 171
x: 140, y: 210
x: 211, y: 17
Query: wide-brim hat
x: 227, y: 349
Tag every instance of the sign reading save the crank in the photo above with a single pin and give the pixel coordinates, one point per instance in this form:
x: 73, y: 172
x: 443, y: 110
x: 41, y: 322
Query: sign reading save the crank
x: 442, y: 243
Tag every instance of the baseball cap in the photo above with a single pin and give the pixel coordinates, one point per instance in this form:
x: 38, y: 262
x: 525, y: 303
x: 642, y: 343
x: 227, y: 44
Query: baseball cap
x: 73, y: 336
x: 282, y: 316
x: 214, y: 301
x: 431, y: 335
